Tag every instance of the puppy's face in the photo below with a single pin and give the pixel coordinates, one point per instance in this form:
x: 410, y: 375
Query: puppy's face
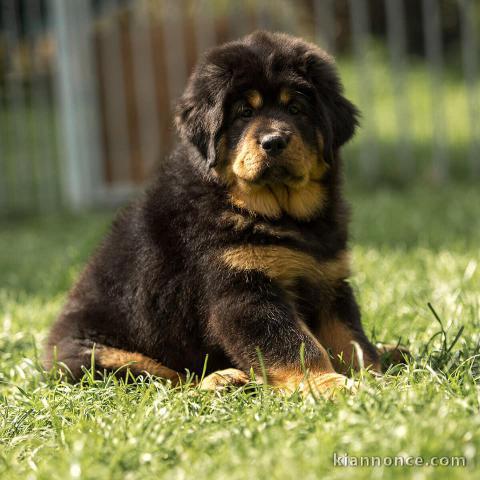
x: 267, y: 115
x: 270, y: 139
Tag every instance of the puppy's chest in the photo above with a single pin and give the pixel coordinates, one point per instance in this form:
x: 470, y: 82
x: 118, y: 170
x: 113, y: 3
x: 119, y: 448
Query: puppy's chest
x: 284, y: 254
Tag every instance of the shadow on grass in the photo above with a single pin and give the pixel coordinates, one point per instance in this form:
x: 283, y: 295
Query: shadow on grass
x: 443, y: 217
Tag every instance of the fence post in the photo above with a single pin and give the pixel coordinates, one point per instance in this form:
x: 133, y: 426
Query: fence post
x: 176, y: 62
x: 470, y: 47
x: 396, y: 36
x: 359, y: 21
x: 144, y: 79
x: 42, y: 122
x: 325, y: 24
x: 79, y: 141
x: 3, y: 172
x: 205, y: 25
x: 19, y: 166
x: 433, y: 47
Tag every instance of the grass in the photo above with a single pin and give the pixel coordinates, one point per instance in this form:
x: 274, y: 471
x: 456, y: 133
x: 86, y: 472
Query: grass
x: 411, y: 247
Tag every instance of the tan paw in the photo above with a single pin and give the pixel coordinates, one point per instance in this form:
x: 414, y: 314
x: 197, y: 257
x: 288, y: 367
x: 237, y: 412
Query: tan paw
x: 328, y: 385
x: 319, y: 384
x: 224, y: 378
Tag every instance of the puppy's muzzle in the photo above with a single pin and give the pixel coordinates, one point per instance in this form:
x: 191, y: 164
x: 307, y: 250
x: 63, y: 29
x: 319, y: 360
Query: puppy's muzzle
x: 275, y: 168
x: 278, y: 174
x: 274, y: 143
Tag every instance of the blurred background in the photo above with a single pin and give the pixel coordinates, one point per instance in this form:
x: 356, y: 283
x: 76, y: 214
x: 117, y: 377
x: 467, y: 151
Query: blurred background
x: 87, y: 88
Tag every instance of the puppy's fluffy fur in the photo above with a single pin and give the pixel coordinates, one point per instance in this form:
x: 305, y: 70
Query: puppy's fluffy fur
x: 240, y: 243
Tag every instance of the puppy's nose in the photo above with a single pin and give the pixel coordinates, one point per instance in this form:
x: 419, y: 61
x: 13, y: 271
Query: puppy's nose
x: 274, y: 143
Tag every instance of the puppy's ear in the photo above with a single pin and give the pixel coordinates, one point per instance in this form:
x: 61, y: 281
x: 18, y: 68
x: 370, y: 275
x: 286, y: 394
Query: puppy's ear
x: 339, y: 115
x: 199, y: 119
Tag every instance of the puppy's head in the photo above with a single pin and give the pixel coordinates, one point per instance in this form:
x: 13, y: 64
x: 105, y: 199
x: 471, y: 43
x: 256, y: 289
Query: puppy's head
x: 268, y: 116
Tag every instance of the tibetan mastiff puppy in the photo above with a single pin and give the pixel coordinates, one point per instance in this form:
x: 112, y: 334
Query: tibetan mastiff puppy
x: 238, y: 250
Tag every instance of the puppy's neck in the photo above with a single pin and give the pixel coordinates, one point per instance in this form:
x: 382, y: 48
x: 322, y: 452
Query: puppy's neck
x: 275, y: 200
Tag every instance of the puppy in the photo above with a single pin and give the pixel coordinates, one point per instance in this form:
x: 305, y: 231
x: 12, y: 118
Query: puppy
x: 238, y: 250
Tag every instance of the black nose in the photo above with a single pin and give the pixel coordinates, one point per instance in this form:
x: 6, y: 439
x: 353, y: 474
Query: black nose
x: 274, y: 143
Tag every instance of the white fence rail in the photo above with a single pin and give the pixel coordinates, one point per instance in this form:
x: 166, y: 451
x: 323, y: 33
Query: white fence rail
x: 87, y: 87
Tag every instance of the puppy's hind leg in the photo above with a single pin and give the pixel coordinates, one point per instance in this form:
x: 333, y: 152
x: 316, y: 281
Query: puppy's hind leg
x: 77, y: 355
x: 69, y: 356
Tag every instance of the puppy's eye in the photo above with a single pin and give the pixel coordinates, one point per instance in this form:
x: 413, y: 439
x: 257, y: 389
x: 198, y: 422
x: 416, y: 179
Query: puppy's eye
x: 246, y: 112
x: 293, y: 109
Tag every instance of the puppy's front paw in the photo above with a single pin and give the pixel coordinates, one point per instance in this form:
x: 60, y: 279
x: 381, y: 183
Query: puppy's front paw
x: 230, y: 377
x: 327, y: 385
x: 324, y: 384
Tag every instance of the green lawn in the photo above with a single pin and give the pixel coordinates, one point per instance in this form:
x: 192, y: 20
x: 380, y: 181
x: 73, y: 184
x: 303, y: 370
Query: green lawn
x: 410, y: 247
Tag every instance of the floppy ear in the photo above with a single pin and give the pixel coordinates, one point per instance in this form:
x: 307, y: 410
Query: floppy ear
x: 344, y: 116
x: 339, y: 115
x: 199, y: 120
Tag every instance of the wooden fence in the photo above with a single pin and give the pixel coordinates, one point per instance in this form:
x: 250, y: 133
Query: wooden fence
x: 87, y: 87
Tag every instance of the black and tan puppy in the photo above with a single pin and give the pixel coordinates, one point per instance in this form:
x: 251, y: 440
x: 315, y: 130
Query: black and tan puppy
x: 240, y: 244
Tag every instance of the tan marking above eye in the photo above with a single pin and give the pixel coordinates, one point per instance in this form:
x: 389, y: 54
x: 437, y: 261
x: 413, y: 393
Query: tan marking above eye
x: 285, y: 96
x: 254, y: 99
